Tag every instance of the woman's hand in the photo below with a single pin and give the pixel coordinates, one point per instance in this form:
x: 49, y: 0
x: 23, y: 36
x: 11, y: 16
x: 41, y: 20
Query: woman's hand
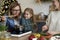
x: 3, y: 18
x: 44, y: 28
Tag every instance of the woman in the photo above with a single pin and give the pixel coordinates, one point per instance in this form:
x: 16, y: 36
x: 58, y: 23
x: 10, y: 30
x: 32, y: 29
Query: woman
x: 53, y: 21
x: 15, y: 11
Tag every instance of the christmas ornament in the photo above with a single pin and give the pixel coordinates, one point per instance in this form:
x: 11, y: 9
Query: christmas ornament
x: 31, y: 37
x: 41, y: 38
x: 4, y: 6
x: 37, y: 35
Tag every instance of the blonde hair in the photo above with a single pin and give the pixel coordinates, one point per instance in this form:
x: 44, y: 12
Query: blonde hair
x: 52, y: 7
x: 30, y: 10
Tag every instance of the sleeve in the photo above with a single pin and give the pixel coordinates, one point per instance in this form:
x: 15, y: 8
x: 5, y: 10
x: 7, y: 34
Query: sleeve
x: 48, y: 20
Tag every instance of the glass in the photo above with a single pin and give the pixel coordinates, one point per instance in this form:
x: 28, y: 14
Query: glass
x: 16, y: 10
x: 2, y: 36
x: 5, y: 36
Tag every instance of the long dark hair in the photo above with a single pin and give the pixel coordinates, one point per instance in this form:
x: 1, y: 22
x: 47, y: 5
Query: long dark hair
x: 13, y: 5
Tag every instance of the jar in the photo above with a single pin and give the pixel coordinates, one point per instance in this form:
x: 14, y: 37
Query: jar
x: 5, y: 36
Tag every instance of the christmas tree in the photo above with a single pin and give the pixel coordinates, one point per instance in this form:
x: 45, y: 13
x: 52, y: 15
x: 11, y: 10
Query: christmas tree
x: 4, y: 6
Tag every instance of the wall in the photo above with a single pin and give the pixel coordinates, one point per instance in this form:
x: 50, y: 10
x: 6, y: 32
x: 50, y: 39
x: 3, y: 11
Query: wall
x: 37, y: 7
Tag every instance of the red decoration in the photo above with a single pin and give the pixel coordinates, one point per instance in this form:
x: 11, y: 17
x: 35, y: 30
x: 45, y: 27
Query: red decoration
x: 41, y: 38
x: 31, y: 37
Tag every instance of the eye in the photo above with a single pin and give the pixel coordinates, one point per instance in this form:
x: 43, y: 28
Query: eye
x: 26, y: 14
x: 16, y: 10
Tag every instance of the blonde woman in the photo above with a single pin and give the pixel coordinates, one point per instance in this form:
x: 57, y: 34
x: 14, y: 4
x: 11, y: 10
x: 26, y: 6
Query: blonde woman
x: 53, y: 20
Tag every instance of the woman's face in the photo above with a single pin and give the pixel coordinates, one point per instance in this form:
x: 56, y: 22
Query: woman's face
x: 27, y: 15
x: 55, y: 2
x: 16, y: 11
